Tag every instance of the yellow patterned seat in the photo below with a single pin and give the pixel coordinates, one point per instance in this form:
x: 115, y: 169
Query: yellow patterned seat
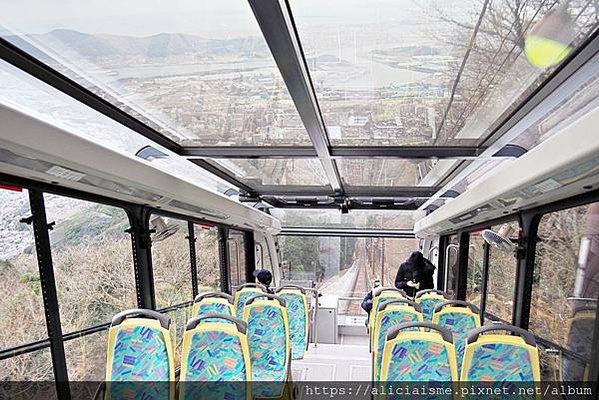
x: 458, y: 317
x: 215, y: 360
x: 299, y: 318
x: 417, y: 356
x: 244, y: 292
x: 140, y: 349
x: 390, y: 313
x: 268, y: 338
x: 428, y: 300
x: 500, y: 357
x: 380, y: 295
x: 213, y: 303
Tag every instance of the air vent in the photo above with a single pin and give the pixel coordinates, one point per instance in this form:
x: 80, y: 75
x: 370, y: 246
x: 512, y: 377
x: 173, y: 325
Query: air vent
x: 196, y: 209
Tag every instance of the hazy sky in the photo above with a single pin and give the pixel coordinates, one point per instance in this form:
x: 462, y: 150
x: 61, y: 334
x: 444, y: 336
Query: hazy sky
x: 210, y: 18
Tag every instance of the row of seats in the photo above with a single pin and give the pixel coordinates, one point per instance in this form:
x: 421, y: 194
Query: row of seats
x: 297, y: 308
x: 423, y: 351
x: 217, y: 346
x: 435, y: 333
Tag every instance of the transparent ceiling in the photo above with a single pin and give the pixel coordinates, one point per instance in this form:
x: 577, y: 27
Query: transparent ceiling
x: 199, y: 72
x: 22, y: 92
x: 384, y: 71
x: 413, y: 73
x: 389, y: 172
x: 368, y: 219
x: 260, y: 173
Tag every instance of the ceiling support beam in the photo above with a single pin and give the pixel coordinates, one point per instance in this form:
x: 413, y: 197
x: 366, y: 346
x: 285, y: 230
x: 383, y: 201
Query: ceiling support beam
x: 347, y: 232
x: 278, y: 28
x: 407, y: 152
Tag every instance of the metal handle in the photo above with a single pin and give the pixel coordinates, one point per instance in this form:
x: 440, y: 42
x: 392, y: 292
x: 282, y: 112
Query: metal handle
x: 393, y: 332
x: 165, y: 320
x: 377, y: 291
x: 218, y: 295
x: 281, y: 301
x: 251, y: 285
x: 471, y: 306
x: 528, y: 337
x: 449, y: 247
x: 241, y: 325
x: 296, y: 287
x: 384, y: 305
x: 435, y: 291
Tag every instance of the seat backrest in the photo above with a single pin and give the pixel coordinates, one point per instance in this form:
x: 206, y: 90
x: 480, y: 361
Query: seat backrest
x: 419, y: 356
x: 268, y: 337
x: 213, y: 303
x: 391, y: 313
x: 428, y: 300
x: 244, y: 292
x: 297, y: 311
x: 216, y: 357
x: 140, y: 349
x: 458, y: 317
x: 501, y: 357
x: 380, y: 295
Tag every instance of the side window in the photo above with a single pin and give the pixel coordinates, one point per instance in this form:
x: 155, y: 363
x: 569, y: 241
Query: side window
x: 475, y: 269
x: 266, y: 256
x: 502, y: 274
x: 565, y: 289
x: 172, y: 269
x: 93, y: 268
x: 234, y: 263
x: 451, y: 265
x: 208, y: 261
x: 170, y: 261
x: 21, y: 306
x: 237, y: 257
x: 259, y: 256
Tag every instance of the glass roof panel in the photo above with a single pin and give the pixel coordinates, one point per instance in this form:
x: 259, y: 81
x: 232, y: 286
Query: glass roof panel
x: 387, y: 172
x: 384, y: 71
x: 199, y: 72
x: 21, y: 91
x: 264, y: 172
x: 369, y: 219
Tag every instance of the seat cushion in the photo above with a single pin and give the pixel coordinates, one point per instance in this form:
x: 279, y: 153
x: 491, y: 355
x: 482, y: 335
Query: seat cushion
x: 267, y: 342
x: 218, y: 308
x: 140, y: 354
x: 500, y: 363
x: 296, y: 309
x: 418, y: 361
x: 458, y: 324
x: 389, y: 320
x: 428, y: 305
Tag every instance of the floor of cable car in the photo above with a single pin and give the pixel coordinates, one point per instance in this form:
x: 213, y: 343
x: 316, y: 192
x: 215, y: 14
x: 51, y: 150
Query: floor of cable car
x: 350, y: 360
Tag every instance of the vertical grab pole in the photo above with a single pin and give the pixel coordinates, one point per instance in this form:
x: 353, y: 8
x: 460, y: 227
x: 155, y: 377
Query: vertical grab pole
x: 193, y: 258
x: 48, y: 285
x: 485, y: 282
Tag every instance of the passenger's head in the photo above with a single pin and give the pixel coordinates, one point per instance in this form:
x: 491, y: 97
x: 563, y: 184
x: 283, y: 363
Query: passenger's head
x: 416, y: 257
x: 263, y: 276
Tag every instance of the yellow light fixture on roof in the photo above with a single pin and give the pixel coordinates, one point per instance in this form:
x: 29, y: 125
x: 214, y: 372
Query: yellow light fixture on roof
x: 548, y: 42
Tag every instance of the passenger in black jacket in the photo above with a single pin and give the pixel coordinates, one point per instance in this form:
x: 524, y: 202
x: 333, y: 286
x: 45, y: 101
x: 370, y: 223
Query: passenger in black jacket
x: 415, y: 274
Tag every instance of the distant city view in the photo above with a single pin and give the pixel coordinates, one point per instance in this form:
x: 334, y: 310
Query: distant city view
x: 385, y: 73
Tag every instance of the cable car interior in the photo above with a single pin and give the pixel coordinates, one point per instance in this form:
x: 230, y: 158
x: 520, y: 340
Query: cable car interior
x: 199, y: 191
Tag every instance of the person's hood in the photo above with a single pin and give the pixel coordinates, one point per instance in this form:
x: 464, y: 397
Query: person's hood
x: 429, y: 266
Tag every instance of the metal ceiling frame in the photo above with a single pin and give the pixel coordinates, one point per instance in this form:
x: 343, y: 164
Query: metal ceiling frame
x: 347, y: 232
x: 276, y: 23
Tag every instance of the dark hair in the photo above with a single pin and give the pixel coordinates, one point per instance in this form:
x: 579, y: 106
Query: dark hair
x: 416, y: 259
